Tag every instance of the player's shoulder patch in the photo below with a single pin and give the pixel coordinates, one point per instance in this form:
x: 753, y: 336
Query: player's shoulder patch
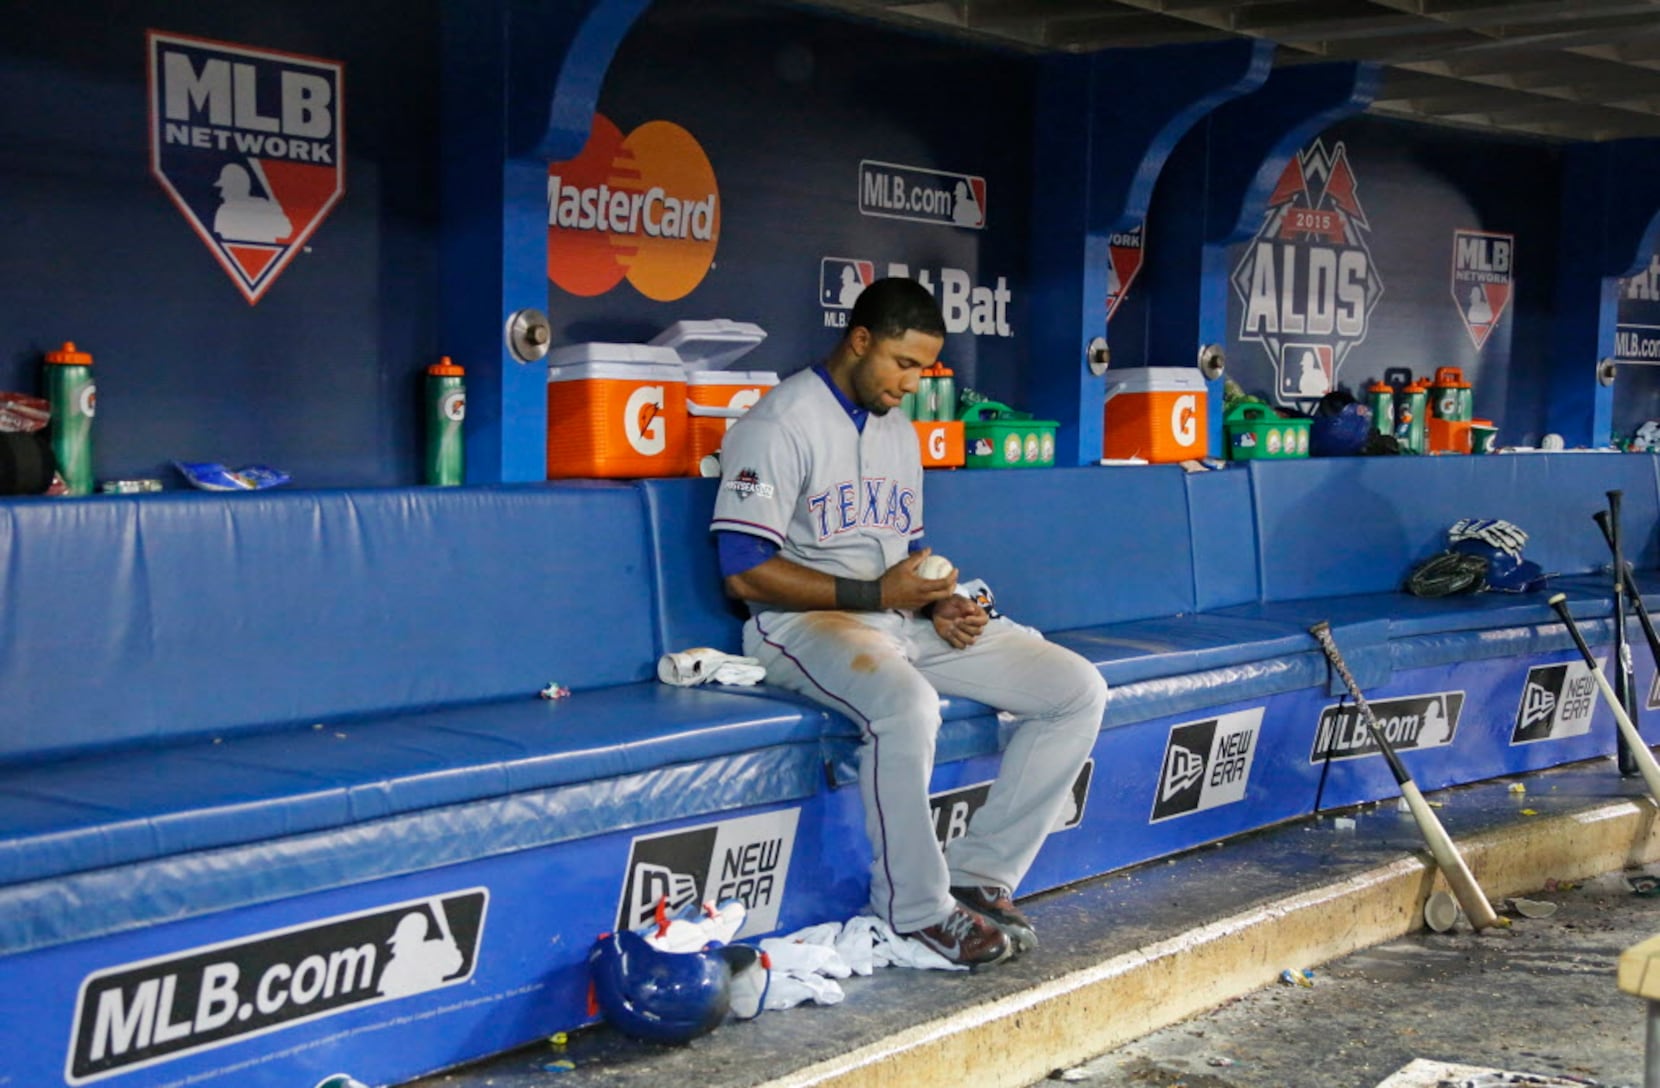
x: 747, y: 482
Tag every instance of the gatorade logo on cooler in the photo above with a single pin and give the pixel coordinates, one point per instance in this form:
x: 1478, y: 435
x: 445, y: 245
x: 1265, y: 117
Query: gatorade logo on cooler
x: 250, y: 145
x: 643, y: 420
x: 1184, y: 419
x: 645, y: 207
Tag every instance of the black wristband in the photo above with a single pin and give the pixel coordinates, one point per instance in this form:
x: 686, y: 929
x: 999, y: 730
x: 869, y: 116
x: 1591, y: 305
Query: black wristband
x: 859, y: 595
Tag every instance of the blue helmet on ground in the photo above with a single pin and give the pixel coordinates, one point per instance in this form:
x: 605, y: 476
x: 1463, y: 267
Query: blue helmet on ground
x: 661, y: 997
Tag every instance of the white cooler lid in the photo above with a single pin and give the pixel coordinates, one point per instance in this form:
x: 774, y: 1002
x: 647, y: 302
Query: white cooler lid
x: 599, y: 352
x: 1155, y: 379
x: 732, y: 377
x: 710, y: 345
x: 617, y: 371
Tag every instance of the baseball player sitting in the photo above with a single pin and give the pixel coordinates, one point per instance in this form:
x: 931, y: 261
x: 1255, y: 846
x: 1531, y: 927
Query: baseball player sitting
x: 819, y: 522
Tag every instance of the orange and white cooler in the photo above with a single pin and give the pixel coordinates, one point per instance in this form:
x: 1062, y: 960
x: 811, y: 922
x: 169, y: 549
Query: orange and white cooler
x: 715, y: 395
x: 714, y: 401
x: 941, y: 441
x: 617, y: 411
x: 1156, y: 413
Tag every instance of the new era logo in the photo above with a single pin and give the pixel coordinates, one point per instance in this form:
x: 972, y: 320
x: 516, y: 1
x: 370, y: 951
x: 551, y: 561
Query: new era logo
x: 1537, y: 704
x: 1182, y: 769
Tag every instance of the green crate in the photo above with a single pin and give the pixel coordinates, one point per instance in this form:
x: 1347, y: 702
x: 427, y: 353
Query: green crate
x: 997, y: 436
x: 1258, y: 433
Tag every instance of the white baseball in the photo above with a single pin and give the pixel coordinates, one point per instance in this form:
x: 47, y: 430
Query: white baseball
x: 935, y: 566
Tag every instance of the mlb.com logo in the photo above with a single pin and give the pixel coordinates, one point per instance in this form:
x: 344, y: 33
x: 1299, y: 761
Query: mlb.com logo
x: 966, y: 306
x: 892, y: 191
x: 250, y: 145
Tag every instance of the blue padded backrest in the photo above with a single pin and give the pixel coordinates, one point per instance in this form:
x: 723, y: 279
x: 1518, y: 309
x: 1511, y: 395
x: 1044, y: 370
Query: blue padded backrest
x: 129, y: 619
x: 1335, y: 526
x: 1224, y: 538
x: 1068, y: 547
x: 690, y: 607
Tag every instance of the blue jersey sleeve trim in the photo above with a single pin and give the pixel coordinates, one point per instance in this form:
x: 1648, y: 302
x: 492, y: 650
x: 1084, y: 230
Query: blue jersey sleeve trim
x: 741, y: 551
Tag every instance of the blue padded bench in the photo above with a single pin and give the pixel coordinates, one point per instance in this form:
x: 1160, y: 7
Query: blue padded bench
x: 1049, y: 544
x: 212, y: 701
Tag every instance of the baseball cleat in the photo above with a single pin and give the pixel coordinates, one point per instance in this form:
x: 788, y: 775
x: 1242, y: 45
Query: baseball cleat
x: 966, y: 938
x: 997, y: 904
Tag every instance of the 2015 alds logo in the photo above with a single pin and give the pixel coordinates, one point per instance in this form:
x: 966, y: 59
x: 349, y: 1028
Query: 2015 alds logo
x: 1206, y: 764
x: 1307, y: 281
x: 143, y: 1013
x: 250, y: 144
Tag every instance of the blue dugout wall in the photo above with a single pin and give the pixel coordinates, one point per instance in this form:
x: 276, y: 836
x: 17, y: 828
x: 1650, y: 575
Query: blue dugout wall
x: 436, y: 236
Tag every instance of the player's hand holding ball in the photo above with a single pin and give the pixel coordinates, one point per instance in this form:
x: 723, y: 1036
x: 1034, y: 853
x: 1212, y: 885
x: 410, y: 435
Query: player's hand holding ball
x: 934, y: 567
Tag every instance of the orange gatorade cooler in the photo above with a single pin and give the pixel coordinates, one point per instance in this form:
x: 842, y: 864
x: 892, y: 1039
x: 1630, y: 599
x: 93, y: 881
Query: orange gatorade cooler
x: 1157, y: 413
x: 616, y: 410
x: 941, y: 441
x: 714, y: 401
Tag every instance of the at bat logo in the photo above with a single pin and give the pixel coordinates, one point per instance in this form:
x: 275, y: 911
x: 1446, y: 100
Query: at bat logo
x: 1307, y: 282
x: 250, y: 145
x: 1483, y: 274
x: 1206, y: 764
x: 1412, y: 721
x: 746, y: 859
x: 158, y: 1010
x: 1557, y: 701
x: 953, y: 809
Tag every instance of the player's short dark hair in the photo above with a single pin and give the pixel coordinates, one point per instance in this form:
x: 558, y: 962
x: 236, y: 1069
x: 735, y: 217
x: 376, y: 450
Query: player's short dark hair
x: 891, y: 307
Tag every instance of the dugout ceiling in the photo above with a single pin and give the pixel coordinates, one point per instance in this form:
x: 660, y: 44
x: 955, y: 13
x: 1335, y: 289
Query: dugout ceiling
x: 1564, y: 69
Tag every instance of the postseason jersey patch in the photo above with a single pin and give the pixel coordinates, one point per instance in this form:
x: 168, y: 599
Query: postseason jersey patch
x: 250, y: 145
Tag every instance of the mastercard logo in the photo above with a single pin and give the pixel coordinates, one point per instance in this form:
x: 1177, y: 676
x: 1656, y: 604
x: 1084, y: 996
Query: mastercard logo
x: 644, y: 207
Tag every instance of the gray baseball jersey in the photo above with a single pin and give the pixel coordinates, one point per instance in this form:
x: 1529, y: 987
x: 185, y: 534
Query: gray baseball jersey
x: 797, y: 471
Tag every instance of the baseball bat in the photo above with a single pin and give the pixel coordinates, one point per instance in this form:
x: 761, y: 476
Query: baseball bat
x: 1476, y: 906
x: 1644, y: 759
x: 1625, y: 685
x: 1633, y: 594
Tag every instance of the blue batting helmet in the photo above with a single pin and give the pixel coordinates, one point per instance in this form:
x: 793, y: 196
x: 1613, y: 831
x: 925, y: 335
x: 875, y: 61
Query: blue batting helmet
x: 662, y: 997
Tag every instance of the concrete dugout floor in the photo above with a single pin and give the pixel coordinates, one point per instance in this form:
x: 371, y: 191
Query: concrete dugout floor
x: 1127, y: 955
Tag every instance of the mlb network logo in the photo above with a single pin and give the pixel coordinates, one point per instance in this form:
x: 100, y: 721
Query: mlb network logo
x: 250, y: 145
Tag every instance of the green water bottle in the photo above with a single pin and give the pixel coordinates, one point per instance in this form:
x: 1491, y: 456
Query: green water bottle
x: 446, y: 399
x: 73, y: 396
x: 1381, y: 396
x: 945, y: 393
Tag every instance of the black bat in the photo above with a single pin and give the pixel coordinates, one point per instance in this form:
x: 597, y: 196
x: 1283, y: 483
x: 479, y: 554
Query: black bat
x: 1633, y: 594
x: 1640, y: 754
x: 1624, y: 684
x: 1476, y: 906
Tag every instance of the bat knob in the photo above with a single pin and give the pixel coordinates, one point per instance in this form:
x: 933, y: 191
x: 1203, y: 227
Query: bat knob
x: 1557, y: 599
